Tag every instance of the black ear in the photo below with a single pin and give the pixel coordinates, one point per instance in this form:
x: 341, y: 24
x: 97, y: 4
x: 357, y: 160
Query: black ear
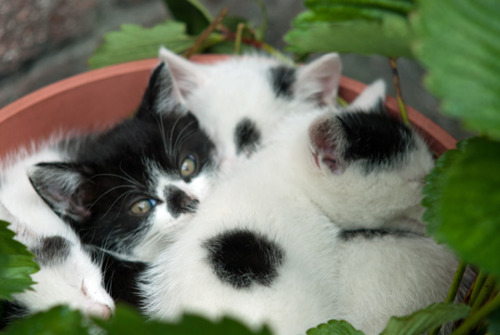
x: 162, y: 95
x: 64, y: 187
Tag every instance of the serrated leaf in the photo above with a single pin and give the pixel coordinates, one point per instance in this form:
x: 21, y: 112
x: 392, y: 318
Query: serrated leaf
x: 127, y: 320
x: 459, y: 43
x: 58, y: 320
x: 133, y: 42
x: 462, y: 198
x: 334, y: 327
x: 426, y: 319
x: 16, y: 264
x: 192, y: 13
x: 361, y: 26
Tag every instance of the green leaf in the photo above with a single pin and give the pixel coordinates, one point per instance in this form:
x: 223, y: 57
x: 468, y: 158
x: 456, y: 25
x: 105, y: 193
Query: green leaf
x: 459, y: 43
x: 334, y: 327
x: 134, y: 42
x: 361, y: 26
x: 16, y: 264
x: 462, y: 198
x: 426, y: 319
x: 58, y: 320
x: 128, y: 321
x: 191, y: 12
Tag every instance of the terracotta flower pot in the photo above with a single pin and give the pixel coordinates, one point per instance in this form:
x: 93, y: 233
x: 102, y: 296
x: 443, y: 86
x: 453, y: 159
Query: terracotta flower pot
x: 105, y: 96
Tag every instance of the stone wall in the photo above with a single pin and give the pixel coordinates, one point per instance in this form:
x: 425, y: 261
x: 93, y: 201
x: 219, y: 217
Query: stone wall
x: 42, y: 41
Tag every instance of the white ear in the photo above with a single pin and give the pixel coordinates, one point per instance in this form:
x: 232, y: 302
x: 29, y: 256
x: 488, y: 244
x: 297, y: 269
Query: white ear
x: 187, y: 75
x: 371, y: 97
x: 319, y: 80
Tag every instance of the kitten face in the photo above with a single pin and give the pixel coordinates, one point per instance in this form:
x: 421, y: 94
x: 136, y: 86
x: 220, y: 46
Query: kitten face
x: 241, y: 101
x: 67, y: 274
x: 271, y: 244
x: 127, y: 187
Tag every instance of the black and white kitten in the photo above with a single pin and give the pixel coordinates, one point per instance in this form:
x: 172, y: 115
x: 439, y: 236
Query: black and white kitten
x: 324, y: 223
x: 241, y: 100
x: 123, y: 190
x: 67, y: 273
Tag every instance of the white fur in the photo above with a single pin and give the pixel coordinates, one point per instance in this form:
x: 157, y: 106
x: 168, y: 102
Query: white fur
x: 77, y: 281
x: 224, y: 93
x: 282, y: 194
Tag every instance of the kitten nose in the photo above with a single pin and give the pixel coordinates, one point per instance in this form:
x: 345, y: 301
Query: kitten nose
x: 178, y: 202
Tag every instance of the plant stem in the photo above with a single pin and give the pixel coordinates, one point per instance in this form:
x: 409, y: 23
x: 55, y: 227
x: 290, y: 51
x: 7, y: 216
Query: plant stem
x: 239, y: 35
x: 485, y: 292
x: 397, y: 87
x: 263, y: 12
x: 206, y: 33
x: 457, y: 279
x: 475, y: 318
x: 481, y: 277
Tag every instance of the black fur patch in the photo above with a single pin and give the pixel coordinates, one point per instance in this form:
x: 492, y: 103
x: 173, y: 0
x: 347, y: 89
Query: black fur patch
x: 241, y: 258
x: 11, y: 311
x: 348, y: 235
x: 178, y: 202
x: 120, y: 277
x: 376, y: 138
x: 282, y: 79
x: 52, y: 250
x: 246, y: 136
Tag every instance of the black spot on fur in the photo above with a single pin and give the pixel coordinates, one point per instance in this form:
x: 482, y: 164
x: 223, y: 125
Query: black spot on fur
x: 246, y: 136
x: 348, y: 235
x: 282, y: 79
x: 52, y: 250
x: 241, y: 258
x: 178, y: 202
x: 376, y: 138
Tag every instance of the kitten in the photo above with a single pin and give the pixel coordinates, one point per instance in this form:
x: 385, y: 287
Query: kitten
x: 321, y: 224
x: 66, y: 276
x: 124, y: 189
x: 239, y: 101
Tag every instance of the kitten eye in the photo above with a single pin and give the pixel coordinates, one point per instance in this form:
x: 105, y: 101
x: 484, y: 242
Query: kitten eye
x: 143, y: 207
x: 188, y: 166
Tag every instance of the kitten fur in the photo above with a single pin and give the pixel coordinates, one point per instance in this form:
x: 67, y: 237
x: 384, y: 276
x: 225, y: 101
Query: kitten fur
x: 239, y: 101
x: 67, y: 274
x: 123, y: 190
x: 311, y: 228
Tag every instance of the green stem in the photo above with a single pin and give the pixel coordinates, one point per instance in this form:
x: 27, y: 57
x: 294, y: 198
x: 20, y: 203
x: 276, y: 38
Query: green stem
x: 342, y: 101
x: 475, y: 318
x: 457, y: 279
x: 485, y: 292
x: 397, y: 87
x: 237, y: 42
x: 481, y: 277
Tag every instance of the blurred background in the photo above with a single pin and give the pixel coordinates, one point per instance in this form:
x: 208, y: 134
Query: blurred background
x: 42, y: 41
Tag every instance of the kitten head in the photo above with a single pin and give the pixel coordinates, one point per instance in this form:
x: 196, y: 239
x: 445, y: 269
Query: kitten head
x: 67, y: 273
x: 241, y: 101
x: 131, y: 184
x: 370, y: 165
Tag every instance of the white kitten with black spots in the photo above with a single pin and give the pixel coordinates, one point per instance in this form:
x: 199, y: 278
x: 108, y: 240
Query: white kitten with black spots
x: 316, y: 226
x: 239, y: 101
x: 67, y: 274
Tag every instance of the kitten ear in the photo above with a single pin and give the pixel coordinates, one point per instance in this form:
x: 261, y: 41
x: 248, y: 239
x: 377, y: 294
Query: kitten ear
x: 60, y: 185
x: 186, y: 74
x: 371, y: 99
x: 161, y: 96
x: 319, y: 80
x: 325, y: 137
